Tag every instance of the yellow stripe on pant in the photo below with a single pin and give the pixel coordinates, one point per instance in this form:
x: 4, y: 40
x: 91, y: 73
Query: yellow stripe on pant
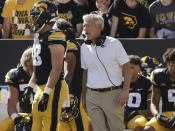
x: 49, y: 119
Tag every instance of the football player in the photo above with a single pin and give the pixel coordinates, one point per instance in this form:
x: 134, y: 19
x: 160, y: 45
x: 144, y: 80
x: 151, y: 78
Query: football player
x: 137, y: 107
x: 17, y: 80
x: 73, y: 118
x: 49, y: 49
x: 163, y: 81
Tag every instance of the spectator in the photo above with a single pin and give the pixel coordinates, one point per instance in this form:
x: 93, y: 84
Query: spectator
x: 103, y: 6
x: 72, y: 12
x: 137, y: 108
x: 1, y: 19
x: 17, y: 20
x: 130, y: 19
x: 17, y: 80
x: 163, y: 20
x: 103, y: 59
x: 163, y: 81
x: 49, y: 48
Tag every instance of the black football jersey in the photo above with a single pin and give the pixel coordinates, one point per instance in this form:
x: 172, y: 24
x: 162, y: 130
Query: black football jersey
x: 161, y: 80
x: 42, y: 56
x: 76, y: 84
x: 138, y: 93
x: 19, y: 79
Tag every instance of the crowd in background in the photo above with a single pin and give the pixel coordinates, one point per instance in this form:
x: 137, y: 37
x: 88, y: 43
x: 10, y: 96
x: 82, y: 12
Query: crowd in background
x: 123, y: 18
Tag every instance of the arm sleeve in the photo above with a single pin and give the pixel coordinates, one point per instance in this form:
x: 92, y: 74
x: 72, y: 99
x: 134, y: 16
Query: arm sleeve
x: 121, y: 55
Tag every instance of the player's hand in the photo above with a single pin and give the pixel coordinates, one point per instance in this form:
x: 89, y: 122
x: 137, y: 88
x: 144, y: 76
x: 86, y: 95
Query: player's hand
x: 17, y: 120
x: 163, y: 120
x: 171, y: 124
x: 42, y: 105
x: 27, y: 94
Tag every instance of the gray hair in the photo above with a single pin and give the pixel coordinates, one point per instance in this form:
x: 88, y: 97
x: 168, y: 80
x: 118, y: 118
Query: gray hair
x: 98, y: 19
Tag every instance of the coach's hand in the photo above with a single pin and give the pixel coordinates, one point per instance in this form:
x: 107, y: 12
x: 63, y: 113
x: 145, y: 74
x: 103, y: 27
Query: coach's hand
x: 42, y: 105
x: 124, y: 96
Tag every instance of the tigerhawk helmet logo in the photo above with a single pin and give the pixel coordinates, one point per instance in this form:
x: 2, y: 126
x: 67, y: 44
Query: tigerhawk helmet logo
x: 129, y: 20
x: 41, y: 7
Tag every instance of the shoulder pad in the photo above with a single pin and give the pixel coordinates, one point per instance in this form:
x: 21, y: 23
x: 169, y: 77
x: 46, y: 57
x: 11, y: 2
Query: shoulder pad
x: 11, y: 75
x: 157, y: 75
x: 56, y: 35
x: 71, y: 46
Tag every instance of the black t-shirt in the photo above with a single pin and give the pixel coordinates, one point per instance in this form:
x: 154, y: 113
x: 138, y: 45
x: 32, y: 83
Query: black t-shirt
x: 160, y: 79
x: 130, y: 19
x: 42, y: 56
x: 1, y: 8
x: 71, y: 12
x: 138, y: 93
x: 19, y: 79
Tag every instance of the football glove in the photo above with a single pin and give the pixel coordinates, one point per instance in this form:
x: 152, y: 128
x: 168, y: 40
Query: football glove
x: 171, y: 122
x: 27, y: 94
x: 42, y: 105
x: 163, y: 120
x: 17, y: 120
x: 129, y: 114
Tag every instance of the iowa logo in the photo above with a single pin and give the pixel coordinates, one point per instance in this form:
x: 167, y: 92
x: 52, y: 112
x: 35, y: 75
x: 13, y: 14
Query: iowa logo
x: 129, y: 20
x: 41, y: 7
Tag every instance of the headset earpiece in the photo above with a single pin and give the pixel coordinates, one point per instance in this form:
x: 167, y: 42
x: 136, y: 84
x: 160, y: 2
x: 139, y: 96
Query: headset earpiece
x: 99, y: 41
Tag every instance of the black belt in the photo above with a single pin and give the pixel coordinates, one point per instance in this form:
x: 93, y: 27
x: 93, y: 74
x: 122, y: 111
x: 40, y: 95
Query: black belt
x: 106, y: 89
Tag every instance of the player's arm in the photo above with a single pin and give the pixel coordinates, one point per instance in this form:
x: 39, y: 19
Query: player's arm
x: 147, y: 112
x: 12, y: 100
x: 57, y: 56
x: 71, y: 63
x: 154, y: 107
x: 12, y: 103
x: 6, y: 28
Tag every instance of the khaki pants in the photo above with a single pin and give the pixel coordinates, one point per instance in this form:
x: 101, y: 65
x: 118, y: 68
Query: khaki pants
x: 105, y: 112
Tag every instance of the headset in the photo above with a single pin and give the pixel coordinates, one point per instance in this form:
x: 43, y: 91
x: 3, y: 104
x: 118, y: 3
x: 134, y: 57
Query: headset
x: 99, y: 41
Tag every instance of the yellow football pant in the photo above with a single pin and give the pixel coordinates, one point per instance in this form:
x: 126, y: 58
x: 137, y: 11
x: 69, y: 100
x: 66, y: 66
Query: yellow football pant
x: 137, y: 121
x: 49, y: 119
x: 8, y: 124
x: 155, y: 124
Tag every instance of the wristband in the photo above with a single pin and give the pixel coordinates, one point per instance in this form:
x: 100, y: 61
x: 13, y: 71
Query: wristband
x: 31, y: 84
x: 13, y: 116
x: 47, y: 90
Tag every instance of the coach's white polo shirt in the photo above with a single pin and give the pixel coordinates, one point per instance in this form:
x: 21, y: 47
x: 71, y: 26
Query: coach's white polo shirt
x: 112, y: 56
